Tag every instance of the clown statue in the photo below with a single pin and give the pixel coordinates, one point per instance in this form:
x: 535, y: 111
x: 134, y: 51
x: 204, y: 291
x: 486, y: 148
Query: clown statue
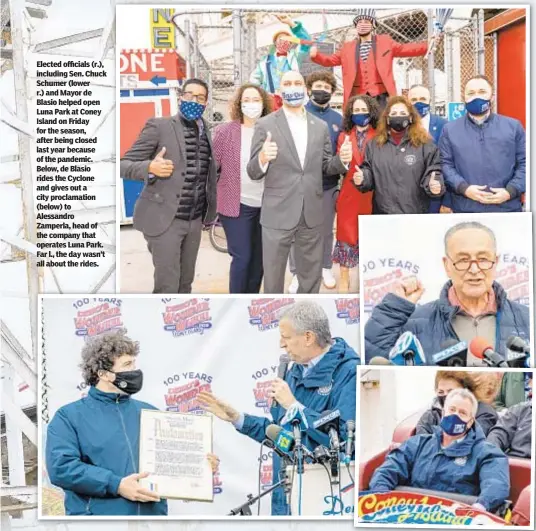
x: 367, y: 61
x: 281, y: 58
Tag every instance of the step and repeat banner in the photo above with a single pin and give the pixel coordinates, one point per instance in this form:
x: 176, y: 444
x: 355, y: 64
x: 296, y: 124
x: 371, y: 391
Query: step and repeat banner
x: 396, y: 247
x: 227, y: 346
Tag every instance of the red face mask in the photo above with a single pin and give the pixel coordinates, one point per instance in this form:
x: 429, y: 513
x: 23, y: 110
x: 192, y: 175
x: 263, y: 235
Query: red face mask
x: 282, y: 46
x: 364, y: 26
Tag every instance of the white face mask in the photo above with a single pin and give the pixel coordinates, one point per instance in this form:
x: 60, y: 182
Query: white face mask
x: 293, y: 96
x: 252, y: 110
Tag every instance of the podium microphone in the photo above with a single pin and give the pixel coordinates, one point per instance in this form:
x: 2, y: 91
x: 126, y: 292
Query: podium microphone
x: 350, y: 430
x: 329, y: 423
x: 453, y: 354
x: 284, y: 360
x: 407, y: 351
x: 518, y: 352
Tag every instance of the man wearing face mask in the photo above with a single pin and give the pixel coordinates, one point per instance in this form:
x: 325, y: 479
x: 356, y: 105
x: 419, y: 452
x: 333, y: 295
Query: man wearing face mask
x: 286, y: 57
x: 445, y: 382
x: 483, y: 155
x: 455, y: 458
x: 292, y: 151
x: 321, y: 86
x: 92, y: 445
x: 367, y: 61
x: 173, y: 157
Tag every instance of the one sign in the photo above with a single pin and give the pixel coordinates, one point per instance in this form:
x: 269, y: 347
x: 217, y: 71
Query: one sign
x: 151, y: 68
x: 318, y: 496
x: 162, y: 28
x: 455, y: 110
x: 399, y: 507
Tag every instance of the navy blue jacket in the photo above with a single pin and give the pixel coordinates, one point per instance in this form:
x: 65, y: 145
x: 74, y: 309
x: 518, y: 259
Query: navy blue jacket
x: 492, y: 154
x: 432, y: 323
x: 472, y: 467
x: 334, y: 121
x: 330, y: 385
x: 435, y: 129
x: 91, y: 445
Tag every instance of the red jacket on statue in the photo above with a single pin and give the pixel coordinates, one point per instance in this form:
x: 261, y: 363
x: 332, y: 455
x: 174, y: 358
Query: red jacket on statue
x: 352, y: 203
x: 384, y: 50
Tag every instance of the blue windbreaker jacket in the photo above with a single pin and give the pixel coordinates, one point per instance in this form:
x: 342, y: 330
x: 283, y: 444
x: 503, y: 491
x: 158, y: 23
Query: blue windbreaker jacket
x: 91, y: 445
x: 472, y: 466
x: 330, y: 385
x: 432, y: 323
x: 492, y: 154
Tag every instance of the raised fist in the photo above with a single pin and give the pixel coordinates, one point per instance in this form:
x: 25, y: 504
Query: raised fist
x: 410, y: 288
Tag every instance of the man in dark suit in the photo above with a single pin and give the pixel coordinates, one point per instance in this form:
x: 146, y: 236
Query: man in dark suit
x: 291, y: 150
x: 367, y: 61
x: 419, y: 96
x: 173, y: 156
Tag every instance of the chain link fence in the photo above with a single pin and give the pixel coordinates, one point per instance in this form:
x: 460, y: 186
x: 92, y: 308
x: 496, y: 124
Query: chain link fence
x: 460, y: 54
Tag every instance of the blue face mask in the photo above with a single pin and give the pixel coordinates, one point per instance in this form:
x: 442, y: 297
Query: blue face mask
x: 422, y: 108
x: 478, y: 106
x: 293, y: 96
x: 192, y: 110
x: 361, y: 119
x: 453, y: 425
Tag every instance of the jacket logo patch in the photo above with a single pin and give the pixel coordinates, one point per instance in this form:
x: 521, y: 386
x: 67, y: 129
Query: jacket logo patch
x: 410, y: 160
x: 460, y: 461
x: 325, y: 390
x: 335, y: 127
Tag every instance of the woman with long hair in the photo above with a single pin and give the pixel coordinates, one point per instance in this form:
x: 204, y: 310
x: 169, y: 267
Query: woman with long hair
x: 402, y: 166
x: 239, y: 197
x: 360, y: 118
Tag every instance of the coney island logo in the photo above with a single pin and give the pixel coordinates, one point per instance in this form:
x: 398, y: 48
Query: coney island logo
x: 409, y: 508
x: 183, y: 389
x: 381, y: 276
x: 217, y: 482
x: 187, y: 317
x: 348, y: 309
x: 95, y: 316
x: 513, y: 276
x: 264, y: 313
x: 266, y: 476
x: 262, y: 386
x: 343, y: 504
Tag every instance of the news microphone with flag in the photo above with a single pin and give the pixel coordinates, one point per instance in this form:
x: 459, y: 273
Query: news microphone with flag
x: 480, y: 348
x: 350, y: 435
x: 453, y: 353
x: 329, y: 423
x: 407, y: 351
x: 284, y: 442
x: 518, y: 345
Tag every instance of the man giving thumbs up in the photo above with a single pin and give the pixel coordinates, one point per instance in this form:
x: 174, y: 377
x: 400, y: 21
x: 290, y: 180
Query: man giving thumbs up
x: 291, y: 150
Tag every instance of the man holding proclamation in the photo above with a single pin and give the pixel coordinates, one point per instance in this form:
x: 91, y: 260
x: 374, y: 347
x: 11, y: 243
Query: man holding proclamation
x: 92, y: 447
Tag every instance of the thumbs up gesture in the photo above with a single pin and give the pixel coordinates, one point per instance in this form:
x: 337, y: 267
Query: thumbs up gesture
x: 435, y: 184
x: 160, y: 166
x: 268, y: 151
x: 358, y: 176
x: 345, y: 152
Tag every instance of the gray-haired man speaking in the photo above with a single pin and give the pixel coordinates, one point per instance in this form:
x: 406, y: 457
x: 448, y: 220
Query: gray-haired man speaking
x: 322, y: 378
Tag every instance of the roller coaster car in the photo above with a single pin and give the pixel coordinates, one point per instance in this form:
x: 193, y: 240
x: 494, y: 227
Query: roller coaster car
x: 519, y: 473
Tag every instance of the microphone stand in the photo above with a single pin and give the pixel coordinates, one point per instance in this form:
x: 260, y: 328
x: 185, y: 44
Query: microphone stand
x: 245, y: 508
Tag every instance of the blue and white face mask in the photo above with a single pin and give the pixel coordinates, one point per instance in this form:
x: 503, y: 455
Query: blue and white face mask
x: 293, y: 96
x: 422, y: 108
x: 453, y: 425
x: 478, y: 106
x: 192, y: 110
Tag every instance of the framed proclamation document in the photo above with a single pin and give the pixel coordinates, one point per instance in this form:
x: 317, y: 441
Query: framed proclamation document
x: 173, y: 450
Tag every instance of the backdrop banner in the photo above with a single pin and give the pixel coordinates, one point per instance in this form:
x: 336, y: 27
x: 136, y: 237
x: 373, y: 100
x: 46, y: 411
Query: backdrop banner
x: 229, y: 346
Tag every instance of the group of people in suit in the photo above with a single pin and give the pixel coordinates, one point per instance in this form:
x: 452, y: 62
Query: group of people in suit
x: 272, y: 173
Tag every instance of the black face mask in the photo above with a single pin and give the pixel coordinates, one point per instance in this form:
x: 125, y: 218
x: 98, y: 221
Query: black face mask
x: 129, y: 382
x: 441, y: 400
x: 398, y: 123
x: 320, y: 96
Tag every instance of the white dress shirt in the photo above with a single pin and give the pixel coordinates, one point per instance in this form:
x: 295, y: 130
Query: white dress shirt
x: 297, y: 123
